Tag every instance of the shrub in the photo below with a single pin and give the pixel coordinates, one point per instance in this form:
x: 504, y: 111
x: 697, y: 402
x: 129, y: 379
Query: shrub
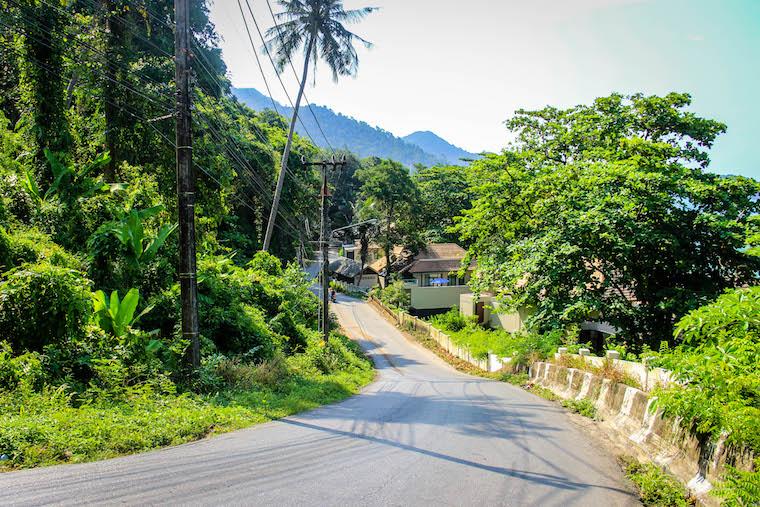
x: 718, y: 369
x: 451, y: 321
x: 739, y: 488
x: 338, y: 354
x: 266, y: 263
x: 42, y: 304
x: 394, y: 295
x: 656, y: 488
x: 583, y: 407
x: 26, y: 368
x: 32, y: 246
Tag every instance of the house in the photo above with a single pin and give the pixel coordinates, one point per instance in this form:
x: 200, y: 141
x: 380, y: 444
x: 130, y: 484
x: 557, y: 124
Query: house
x: 432, y: 277
x: 595, y: 330
x: 489, y: 312
x: 347, y: 270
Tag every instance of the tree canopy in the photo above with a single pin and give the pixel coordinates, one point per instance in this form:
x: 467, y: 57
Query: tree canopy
x: 605, y: 212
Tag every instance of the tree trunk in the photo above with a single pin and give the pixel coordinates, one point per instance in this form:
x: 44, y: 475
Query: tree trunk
x: 286, y: 151
x: 42, y: 84
x: 114, y: 41
x: 388, y: 246
x: 364, y: 241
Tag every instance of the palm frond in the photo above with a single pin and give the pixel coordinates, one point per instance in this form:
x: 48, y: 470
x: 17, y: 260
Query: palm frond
x: 301, y: 20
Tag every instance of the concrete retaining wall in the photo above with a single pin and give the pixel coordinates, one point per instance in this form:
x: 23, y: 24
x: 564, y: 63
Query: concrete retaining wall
x: 629, y: 413
x: 648, y: 378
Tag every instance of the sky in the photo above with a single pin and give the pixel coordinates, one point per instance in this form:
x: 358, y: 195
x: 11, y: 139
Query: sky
x: 461, y: 68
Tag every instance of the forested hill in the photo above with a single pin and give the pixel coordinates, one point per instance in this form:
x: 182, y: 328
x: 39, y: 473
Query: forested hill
x: 433, y: 143
x: 361, y: 138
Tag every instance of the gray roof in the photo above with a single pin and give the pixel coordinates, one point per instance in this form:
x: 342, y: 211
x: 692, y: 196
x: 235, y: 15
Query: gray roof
x: 344, y: 266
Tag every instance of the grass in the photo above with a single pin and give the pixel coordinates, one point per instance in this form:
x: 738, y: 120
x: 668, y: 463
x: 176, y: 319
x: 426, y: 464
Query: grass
x: 583, y: 407
x: 45, y: 428
x: 656, y: 487
x: 608, y: 369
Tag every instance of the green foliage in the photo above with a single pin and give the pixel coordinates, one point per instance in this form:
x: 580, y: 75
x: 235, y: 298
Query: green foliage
x: 46, y: 427
x: 69, y: 183
x: 140, y: 248
x: 32, y: 246
x: 43, y: 304
x: 451, y: 321
x: 604, y: 211
x: 718, y: 369
x: 266, y: 263
x: 739, y: 488
x: 14, y: 370
x: 656, y: 488
x: 389, y: 193
x: 524, y: 347
x: 444, y: 194
x: 394, y: 295
x: 116, y: 316
x: 583, y: 407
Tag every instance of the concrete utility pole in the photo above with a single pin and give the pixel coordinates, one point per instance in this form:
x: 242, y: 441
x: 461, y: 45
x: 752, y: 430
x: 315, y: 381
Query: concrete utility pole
x: 186, y: 181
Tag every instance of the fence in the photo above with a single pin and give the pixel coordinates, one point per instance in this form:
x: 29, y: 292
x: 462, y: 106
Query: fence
x: 404, y: 320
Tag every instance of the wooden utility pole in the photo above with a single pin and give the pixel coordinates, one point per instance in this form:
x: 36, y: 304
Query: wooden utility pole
x: 325, y: 237
x: 324, y: 242
x: 186, y: 181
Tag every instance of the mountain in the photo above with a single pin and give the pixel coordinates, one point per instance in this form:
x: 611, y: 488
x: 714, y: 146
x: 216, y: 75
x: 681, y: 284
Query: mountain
x: 359, y: 137
x: 432, y: 143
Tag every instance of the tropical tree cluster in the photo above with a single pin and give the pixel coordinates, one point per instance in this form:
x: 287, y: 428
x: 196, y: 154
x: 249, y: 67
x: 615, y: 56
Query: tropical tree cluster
x: 89, y: 297
x: 607, y: 212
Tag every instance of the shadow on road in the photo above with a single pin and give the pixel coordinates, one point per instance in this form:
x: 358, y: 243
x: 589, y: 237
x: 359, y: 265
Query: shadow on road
x: 553, y: 481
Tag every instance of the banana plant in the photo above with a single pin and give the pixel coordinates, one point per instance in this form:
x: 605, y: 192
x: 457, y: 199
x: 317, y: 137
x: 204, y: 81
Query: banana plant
x: 69, y: 182
x: 131, y: 233
x: 116, y: 316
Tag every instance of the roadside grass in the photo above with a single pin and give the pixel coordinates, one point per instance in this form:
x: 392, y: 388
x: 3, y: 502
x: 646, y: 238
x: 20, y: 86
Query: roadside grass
x: 583, y: 407
x: 656, y: 487
x: 48, y: 427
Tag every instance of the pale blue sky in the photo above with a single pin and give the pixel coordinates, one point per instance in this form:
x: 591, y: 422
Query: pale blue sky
x: 461, y: 68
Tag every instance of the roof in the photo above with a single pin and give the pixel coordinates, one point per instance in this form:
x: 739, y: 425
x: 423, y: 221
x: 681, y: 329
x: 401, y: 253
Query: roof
x: 437, y: 258
x: 344, y: 266
x: 380, y: 263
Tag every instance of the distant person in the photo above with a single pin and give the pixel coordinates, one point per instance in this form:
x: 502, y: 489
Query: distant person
x: 333, y: 295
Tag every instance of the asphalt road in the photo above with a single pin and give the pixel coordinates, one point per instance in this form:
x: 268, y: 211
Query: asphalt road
x: 421, y: 434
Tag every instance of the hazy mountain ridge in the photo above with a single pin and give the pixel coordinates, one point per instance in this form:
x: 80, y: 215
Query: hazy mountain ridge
x: 433, y: 143
x: 358, y: 136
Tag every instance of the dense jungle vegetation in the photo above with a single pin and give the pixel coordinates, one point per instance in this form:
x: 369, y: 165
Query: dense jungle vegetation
x: 91, y: 360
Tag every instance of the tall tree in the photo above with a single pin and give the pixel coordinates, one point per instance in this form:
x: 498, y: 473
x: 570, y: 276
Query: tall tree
x: 345, y: 192
x: 390, y: 193
x: 318, y: 27
x: 605, y: 211
x: 41, y: 33
x: 444, y: 194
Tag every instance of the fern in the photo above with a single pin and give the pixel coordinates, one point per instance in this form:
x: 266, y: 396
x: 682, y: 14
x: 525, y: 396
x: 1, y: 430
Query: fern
x: 739, y: 488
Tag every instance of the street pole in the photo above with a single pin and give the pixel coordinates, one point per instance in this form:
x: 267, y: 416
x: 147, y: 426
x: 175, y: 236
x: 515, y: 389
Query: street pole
x: 185, y: 181
x: 324, y: 242
x: 325, y: 257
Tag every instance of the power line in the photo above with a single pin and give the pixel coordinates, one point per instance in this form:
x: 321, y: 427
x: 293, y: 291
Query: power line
x: 219, y: 139
x: 277, y: 74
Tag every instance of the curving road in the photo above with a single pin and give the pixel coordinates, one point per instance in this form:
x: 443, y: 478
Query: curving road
x: 421, y: 434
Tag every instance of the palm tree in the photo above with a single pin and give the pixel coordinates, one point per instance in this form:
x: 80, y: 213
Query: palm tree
x: 318, y: 27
